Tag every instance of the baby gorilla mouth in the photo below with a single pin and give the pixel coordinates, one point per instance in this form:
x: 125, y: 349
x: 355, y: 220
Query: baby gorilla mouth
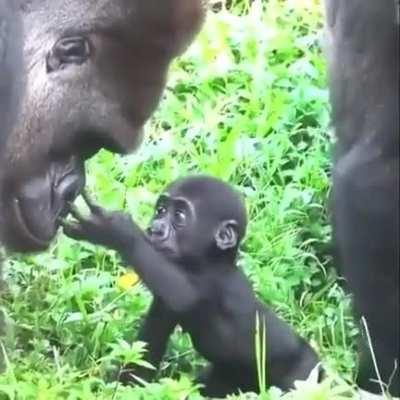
x: 159, y: 243
x: 32, y: 211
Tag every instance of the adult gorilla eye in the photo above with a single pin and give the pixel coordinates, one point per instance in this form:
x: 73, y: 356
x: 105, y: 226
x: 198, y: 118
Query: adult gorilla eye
x: 68, y: 51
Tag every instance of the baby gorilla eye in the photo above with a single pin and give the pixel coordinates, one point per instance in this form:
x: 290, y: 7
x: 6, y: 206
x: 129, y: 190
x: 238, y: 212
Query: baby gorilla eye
x: 161, y: 210
x: 180, y: 217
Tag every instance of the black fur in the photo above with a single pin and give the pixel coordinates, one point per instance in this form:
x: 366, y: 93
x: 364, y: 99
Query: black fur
x: 10, y: 66
x: 94, y: 72
x: 188, y: 261
x: 363, y: 36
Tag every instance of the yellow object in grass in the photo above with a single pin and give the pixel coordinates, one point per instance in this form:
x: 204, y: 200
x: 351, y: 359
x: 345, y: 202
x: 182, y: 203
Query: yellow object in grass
x: 128, y: 281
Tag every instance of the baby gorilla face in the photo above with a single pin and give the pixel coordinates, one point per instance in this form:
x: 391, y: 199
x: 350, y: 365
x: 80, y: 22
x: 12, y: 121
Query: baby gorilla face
x: 172, y: 227
x: 193, y: 226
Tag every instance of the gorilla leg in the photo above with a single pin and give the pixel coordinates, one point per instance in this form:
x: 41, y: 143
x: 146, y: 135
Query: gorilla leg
x: 155, y: 332
x: 215, y: 383
x: 367, y: 210
x: 363, y: 39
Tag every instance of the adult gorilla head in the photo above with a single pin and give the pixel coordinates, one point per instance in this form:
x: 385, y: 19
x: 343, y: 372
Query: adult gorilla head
x: 94, y: 72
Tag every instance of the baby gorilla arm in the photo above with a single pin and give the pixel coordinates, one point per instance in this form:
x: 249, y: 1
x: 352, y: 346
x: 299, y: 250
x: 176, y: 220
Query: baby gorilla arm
x: 117, y: 231
x: 155, y: 331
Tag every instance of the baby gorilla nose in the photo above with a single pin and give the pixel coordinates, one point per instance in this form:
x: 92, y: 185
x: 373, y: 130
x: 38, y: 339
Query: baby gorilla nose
x: 159, y: 230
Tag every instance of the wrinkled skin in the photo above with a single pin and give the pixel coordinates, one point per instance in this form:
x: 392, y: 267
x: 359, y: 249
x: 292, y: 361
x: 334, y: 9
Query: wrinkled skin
x: 94, y: 73
x: 363, y: 37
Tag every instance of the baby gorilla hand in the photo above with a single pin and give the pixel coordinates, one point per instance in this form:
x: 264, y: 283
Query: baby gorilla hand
x: 114, y: 230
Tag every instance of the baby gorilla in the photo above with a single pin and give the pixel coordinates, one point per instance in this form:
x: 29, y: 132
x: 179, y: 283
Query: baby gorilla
x: 187, y: 260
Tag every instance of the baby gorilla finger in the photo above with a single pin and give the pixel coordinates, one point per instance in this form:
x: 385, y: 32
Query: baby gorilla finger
x: 74, y: 211
x: 73, y: 230
x: 93, y: 207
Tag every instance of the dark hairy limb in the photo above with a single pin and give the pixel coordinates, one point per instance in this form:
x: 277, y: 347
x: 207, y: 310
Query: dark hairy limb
x: 157, y: 327
x: 119, y: 232
x: 364, y: 72
x: 215, y: 383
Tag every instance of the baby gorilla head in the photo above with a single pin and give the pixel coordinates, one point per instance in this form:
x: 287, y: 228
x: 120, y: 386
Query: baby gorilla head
x: 197, y: 219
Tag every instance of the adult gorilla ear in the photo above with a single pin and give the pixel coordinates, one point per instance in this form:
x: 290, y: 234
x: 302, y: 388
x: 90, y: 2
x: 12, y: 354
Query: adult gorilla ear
x: 226, y: 235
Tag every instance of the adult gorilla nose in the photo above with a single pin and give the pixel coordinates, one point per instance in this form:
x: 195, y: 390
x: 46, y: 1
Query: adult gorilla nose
x: 68, y: 190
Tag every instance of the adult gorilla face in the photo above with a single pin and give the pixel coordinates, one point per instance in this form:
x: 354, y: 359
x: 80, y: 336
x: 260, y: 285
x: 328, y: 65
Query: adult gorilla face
x: 94, y: 72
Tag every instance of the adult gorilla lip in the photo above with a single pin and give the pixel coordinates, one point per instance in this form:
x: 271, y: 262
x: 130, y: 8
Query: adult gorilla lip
x: 25, y: 230
x: 31, y: 209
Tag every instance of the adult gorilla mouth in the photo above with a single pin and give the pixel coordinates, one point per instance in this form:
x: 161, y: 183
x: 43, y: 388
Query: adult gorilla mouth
x: 26, y: 231
x: 19, y: 232
x: 35, y: 207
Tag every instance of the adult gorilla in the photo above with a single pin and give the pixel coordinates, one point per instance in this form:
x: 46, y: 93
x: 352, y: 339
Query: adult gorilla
x: 364, y: 37
x: 10, y: 66
x: 94, y: 73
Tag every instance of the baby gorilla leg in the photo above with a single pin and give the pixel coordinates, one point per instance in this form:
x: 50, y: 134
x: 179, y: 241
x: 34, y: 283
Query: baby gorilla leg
x: 215, y: 383
x: 220, y: 381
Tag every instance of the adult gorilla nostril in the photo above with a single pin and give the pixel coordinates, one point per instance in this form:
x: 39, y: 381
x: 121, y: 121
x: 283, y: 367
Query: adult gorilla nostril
x: 70, y: 187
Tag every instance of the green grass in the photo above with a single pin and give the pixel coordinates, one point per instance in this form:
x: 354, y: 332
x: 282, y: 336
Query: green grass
x: 247, y: 103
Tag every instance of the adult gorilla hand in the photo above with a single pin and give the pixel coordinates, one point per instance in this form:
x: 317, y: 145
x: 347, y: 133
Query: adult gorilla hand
x: 114, y: 230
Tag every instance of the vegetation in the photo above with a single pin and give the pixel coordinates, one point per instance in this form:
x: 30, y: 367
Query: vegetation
x: 248, y: 103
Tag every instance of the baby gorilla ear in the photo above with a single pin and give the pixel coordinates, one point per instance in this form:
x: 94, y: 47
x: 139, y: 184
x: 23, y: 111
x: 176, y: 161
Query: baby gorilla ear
x: 226, y: 235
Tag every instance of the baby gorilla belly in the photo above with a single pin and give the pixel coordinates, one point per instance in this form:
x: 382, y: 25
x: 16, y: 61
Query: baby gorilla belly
x: 218, y: 343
